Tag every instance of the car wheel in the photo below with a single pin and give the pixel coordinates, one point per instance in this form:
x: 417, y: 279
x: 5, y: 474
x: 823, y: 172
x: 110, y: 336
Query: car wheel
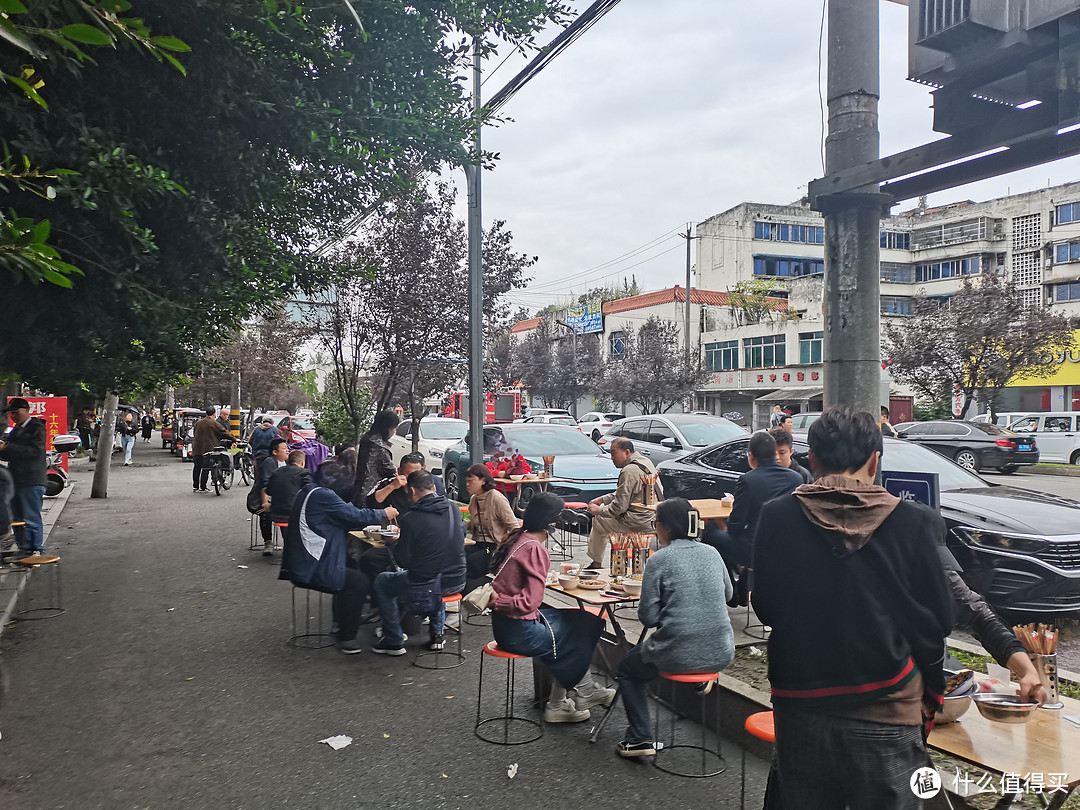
x: 596, y: 435
x: 968, y: 460
x: 1075, y: 458
x: 1009, y: 469
x: 452, y: 482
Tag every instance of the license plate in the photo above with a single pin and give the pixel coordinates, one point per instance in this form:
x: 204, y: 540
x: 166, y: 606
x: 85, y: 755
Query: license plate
x: 1025, y: 446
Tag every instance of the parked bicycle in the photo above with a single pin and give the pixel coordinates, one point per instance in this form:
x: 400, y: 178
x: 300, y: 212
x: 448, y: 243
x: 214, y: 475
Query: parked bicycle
x: 245, y: 462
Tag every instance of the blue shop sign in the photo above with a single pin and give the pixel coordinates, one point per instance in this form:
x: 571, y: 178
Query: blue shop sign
x: 913, y: 486
x: 586, y: 318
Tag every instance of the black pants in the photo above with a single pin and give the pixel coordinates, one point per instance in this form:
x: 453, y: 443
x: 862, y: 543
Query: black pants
x: 735, y: 549
x: 266, y: 527
x: 200, y: 472
x: 348, y: 603
x: 374, y: 561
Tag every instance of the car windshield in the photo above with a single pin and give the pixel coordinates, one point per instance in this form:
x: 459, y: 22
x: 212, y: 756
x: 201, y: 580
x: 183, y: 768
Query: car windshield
x: 302, y: 424
x: 440, y: 429
x: 703, y: 433
x: 901, y: 456
x: 562, y: 420
x: 553, y: 440
x: 993, y: 430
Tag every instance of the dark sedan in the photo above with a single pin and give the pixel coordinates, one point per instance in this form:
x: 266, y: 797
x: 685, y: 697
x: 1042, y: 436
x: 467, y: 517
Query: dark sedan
x: 975, y: 445
x: 1020, y: 549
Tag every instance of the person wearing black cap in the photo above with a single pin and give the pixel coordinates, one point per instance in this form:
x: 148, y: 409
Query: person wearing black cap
x: 24, y: 451
x: 563, y: 640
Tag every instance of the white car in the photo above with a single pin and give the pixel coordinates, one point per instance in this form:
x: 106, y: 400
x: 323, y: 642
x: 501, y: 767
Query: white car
x: 436, y: 434
x: 552, y: 419
x: 530, y: 412
x: 594, y: 423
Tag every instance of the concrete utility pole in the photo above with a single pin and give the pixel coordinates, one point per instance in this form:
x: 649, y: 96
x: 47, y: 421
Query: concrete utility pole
x: 99, y: 488
x: 852, y: 353
x: 573, y: 349
x: 476, y: 290
x: 686, y: 331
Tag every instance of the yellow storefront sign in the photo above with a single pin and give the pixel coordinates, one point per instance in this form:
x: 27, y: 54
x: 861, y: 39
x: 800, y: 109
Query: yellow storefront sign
x: 1062, y: 369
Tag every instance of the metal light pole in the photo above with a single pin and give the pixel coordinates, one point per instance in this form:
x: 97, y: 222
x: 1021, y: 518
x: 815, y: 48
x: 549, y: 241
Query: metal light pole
x: 852, y: 367
x: 476, y: 294
x: 573, y: 348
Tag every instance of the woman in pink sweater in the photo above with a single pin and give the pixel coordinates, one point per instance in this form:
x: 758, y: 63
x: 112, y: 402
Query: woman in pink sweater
x: 563, y: 639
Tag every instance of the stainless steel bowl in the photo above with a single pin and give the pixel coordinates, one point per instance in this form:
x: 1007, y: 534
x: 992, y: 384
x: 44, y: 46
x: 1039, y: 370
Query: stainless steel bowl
x: 1004, y: 708
x: 953, y: 708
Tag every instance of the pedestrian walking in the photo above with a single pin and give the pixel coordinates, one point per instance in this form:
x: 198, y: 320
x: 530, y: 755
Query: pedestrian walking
x: 148, y: 424
x: 128, y: 430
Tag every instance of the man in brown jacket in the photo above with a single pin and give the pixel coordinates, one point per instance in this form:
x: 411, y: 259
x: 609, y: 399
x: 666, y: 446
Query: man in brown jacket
x: 208, y: 435
x: 613, y: 513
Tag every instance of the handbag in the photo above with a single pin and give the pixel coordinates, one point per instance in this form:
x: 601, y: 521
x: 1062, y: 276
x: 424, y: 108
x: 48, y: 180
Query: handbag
x: 479, y: 599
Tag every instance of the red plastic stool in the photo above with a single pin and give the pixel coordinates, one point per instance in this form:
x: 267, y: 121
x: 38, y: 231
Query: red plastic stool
x: 759, y: 725
x: 665, y: 752
x: 530, y: 730
x: 279, y: 530
x: 455, y: 658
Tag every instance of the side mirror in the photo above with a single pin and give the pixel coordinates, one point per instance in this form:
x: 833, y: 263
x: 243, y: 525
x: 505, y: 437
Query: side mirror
x: 408, y: 437
x: 671, y: 444
x: 901, y: 434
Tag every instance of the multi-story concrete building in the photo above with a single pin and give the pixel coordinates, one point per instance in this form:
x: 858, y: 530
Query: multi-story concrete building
x: 1034, y: 238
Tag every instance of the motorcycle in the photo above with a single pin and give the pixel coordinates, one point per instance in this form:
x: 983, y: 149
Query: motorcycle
x: 56, y: 477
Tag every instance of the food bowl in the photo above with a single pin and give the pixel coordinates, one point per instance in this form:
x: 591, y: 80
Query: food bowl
x: 593, y: 584
x: 517, y: 477
x: 954, y: 706
x: 1004, y: 708
x: 587, y: 574
x: 373, y: 532
x: 529, y: 477
x: 959, y: 682
x: 568, y: 581
x: 632, y: 586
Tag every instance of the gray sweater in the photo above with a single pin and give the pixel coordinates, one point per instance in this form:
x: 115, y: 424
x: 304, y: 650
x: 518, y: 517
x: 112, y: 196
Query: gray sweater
x: 683, y: 595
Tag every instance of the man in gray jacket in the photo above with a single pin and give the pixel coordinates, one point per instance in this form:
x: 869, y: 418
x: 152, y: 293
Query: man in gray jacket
x: 614, y: 513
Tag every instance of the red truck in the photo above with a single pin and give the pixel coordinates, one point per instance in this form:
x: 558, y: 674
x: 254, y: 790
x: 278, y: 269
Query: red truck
x: 505, y: 406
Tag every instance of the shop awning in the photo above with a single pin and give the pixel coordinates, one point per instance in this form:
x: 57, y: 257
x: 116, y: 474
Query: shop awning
x: 792, y: 395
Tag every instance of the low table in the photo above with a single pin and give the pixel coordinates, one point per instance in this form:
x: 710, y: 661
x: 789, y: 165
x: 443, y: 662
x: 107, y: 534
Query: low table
x: 712, y: 509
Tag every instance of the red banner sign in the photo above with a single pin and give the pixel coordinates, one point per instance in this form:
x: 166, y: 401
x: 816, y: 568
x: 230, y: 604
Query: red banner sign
x: 54, y: 413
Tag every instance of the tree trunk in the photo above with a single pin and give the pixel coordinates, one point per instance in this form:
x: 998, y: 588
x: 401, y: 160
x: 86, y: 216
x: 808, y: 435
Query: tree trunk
x: 100, y: 486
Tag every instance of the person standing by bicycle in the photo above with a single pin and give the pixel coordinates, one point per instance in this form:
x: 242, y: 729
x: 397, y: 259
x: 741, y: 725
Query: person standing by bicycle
x: 260, y: 439
x: 208, y: 434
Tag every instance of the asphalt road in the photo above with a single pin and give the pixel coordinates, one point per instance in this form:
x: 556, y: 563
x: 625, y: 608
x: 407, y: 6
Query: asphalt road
x: 169, y: 684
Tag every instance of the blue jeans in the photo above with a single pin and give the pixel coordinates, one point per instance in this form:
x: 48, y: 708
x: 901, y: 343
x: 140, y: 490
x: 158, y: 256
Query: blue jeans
x: 390, y: 589
x: 128, y: 443
x: 825, y: 761
x: 26, y: 505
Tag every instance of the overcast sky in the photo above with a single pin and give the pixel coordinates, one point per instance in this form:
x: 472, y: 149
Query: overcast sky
x: 670, y: 111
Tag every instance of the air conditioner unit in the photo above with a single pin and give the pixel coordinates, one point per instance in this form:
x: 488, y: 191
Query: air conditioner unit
x: 945, y: 25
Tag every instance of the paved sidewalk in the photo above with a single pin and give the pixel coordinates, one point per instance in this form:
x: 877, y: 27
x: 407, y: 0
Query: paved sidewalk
x: 14, y: 578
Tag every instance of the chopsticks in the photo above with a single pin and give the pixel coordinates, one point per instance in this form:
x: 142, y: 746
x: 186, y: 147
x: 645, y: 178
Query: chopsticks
x: 1040, y: 639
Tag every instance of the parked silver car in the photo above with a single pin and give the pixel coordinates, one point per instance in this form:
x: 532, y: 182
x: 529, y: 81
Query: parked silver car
x: 665, y: 436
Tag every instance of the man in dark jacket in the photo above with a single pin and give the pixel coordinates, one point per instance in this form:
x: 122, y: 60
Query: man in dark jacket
x: 24, y: 451
x: 784, y: 456
x: 432, y: 544
x: 765, y: 480
x: 208, y: 434
x: 260, y: 439
x: 284, y: 485
x: 850, y: 580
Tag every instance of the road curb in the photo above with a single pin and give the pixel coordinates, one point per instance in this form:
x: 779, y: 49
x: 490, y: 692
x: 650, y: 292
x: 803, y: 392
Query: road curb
x: 1069, y: 472
x: 9, y: 598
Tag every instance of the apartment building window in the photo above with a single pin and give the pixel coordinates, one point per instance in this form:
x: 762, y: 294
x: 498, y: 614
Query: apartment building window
x: 787, y: 266
x: 1067, y: 252
x: 723, y: 356
x: 781, y: 232
x: 894, y: 305
x: 1070, y: 212
x: 901, y: 273
x: 950, y: 269
x: 810, y: 347
x: 617, y: 345
x: 894, y: 240
x: 1067, y: 292
x: 764, y: 352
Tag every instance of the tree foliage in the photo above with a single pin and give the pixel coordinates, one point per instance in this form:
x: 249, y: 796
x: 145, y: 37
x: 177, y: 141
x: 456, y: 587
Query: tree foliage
x: 980, y: 339
x: 198, y: 202
x: 655, y: 373
x: 545, y: 362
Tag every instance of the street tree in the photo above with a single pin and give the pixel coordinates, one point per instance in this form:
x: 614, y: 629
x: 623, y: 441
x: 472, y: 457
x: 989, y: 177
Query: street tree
x: 654, y: 372
x: 198, y: 202
x: 979, y: 340
x: 547, y: 365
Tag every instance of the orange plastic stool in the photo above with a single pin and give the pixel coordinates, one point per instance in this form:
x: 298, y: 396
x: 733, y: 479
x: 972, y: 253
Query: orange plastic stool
x: 529, y: 730
x: 762, y: 726
x: 457, y: 658
x: 702, y: 770
x: 279, y: 534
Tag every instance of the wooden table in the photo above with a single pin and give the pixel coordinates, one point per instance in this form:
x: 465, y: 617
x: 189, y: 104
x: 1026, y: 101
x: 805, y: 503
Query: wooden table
x: 1046, y: 746
x: 709, y: 508
x: 541, y: 483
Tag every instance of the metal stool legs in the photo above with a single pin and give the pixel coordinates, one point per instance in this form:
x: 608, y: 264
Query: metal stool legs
x: 702, y: 770
x: 314, y: 636
x: 515, y: 730
x: 49, y: 596
x: 446, y: 659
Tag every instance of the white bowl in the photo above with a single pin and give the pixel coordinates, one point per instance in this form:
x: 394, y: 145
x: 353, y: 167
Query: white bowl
x: 568, y: 581
x: 516, y: 477
x: 632, y: 587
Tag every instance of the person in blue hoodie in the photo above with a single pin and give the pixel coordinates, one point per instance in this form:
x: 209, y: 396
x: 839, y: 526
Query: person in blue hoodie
x: 314, y: 555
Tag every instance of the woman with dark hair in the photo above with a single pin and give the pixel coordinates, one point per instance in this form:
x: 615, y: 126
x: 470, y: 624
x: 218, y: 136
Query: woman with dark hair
x: 563, y: 640
x: 374, y: 461
x: 491, y: 520
x: 315, y: 551
x: 683, y: 595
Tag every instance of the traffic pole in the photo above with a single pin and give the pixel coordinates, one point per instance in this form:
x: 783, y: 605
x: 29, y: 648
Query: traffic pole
x: 852, y: 355
x: 476, y: 296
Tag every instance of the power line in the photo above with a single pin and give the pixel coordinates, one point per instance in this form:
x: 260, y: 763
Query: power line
x: 606, y: 264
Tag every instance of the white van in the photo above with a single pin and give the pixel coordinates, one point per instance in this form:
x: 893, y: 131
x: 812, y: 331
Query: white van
x: 1057, y: 434
x: 1004, y: 418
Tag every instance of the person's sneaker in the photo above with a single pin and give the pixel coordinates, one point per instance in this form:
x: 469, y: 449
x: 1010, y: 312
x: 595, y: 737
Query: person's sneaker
x: 592, y: 695
x: 379, y: 634
x: 384, y: 647
x: 196, y: 489
x: 635, y: 749
x: 705, y: 688
x: 437, y: 643
x: 268, y: 551
x: 564, y: 712
x: 352, y: 647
